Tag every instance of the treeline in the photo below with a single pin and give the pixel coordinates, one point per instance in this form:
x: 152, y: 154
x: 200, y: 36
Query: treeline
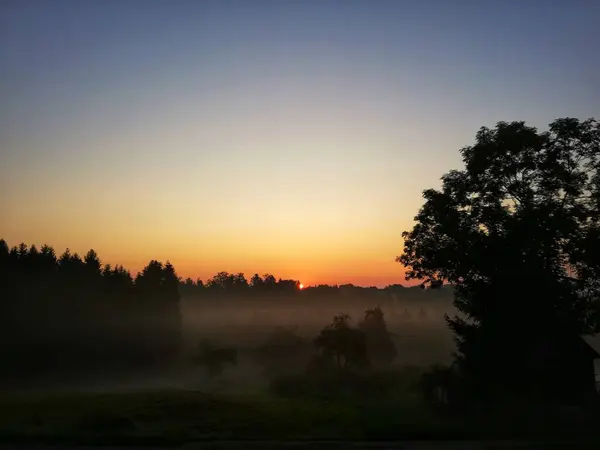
x: 235, y: 284
x: 73, y: 315
x: 225, y: 285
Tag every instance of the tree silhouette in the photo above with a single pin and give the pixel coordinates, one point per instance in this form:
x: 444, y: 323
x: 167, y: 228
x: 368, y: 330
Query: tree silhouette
x: 157, y: 288
x: 256, y: 282
x: 76, y: 317
x: 231, y: 284
x: 288, y: 286
x: 92, y: 262
x: 380, y: 347
x: 269, y: 280
x: 342, y: 346
x: 503, y: 231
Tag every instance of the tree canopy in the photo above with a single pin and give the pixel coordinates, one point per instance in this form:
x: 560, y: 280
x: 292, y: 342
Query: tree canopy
x: 342, y: 346
x: 517, y: 232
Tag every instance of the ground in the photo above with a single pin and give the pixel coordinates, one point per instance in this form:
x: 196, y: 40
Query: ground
x: 173, y: 418
x: 180, y: 416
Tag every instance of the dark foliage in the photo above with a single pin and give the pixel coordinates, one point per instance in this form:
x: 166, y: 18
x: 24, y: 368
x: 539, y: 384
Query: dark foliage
x: 517, y: 232
x: 380, y: 347
x: 72, y: 316
x: 225, y: 284
x: 341, y: 347
x: 67, y: 317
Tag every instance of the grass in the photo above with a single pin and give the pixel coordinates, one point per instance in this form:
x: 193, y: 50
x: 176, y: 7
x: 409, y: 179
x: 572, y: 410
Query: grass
x: 167, y: 416
x: 172, y: 417
x: 181, y: 416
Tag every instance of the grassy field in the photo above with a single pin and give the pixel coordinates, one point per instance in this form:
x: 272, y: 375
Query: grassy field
x: 173, y: 417
x: 180, y: 416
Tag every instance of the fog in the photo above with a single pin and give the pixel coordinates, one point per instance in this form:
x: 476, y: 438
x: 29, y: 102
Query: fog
x: 418, y: 329
x: 70, y: 325
x: 419, y: 332
x: 416, y: 323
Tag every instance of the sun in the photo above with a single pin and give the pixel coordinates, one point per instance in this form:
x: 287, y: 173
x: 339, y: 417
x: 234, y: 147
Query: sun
x: 300, y: 286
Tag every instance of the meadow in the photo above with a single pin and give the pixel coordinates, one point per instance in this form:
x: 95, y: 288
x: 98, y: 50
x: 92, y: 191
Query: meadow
x: 177, y: 416
x: 174, y: 417
x: 182, y: 403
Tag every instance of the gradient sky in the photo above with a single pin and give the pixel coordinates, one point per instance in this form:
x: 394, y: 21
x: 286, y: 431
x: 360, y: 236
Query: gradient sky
x: 292, y: 137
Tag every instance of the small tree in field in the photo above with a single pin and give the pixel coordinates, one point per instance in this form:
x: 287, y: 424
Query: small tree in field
x: 342, y: 346
x: 380, y: 347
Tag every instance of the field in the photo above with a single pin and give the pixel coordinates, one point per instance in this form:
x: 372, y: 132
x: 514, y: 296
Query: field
x: 183, y: 405
x: 174, y: 417
x: 181, y: 416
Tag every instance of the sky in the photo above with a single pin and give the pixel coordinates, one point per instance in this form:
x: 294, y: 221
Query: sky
x: 293, y: 137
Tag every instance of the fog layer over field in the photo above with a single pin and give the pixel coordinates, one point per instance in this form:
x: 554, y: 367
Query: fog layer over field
x: 415, y: 319
x: 70, y: 323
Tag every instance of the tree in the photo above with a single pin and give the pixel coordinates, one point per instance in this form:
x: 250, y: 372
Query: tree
x: 3, y: 250
x: 92, y: 262
x: 517, y: 232
x: 48, y: 258
x: 22, y: 250
x: 269, y: 281
x: 149, y: 281
x: 171, y: 283
x: 342, y: 346
x: 172, y: 313
x: 288, y: 286
x: 221, y: 281
x: 240, y: 284
x: 75, y: 316
x: 256, y: 282
x: 157, y: 289
x: 380, y: 347
x: 228, y: 283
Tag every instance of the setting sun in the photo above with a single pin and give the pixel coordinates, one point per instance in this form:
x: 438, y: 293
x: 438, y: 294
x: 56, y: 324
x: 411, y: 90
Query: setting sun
x: 301, y: 286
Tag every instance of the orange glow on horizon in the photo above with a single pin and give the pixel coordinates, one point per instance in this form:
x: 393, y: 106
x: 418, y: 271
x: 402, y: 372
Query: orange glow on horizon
x: 355, y: 263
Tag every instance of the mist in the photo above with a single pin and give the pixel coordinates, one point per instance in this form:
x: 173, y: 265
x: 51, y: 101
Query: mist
x: 415, y: 319
x: 74, y: 325
x: 418, y: 329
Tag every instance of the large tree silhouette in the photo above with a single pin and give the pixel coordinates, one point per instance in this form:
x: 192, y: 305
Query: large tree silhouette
x: 517, y: 231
